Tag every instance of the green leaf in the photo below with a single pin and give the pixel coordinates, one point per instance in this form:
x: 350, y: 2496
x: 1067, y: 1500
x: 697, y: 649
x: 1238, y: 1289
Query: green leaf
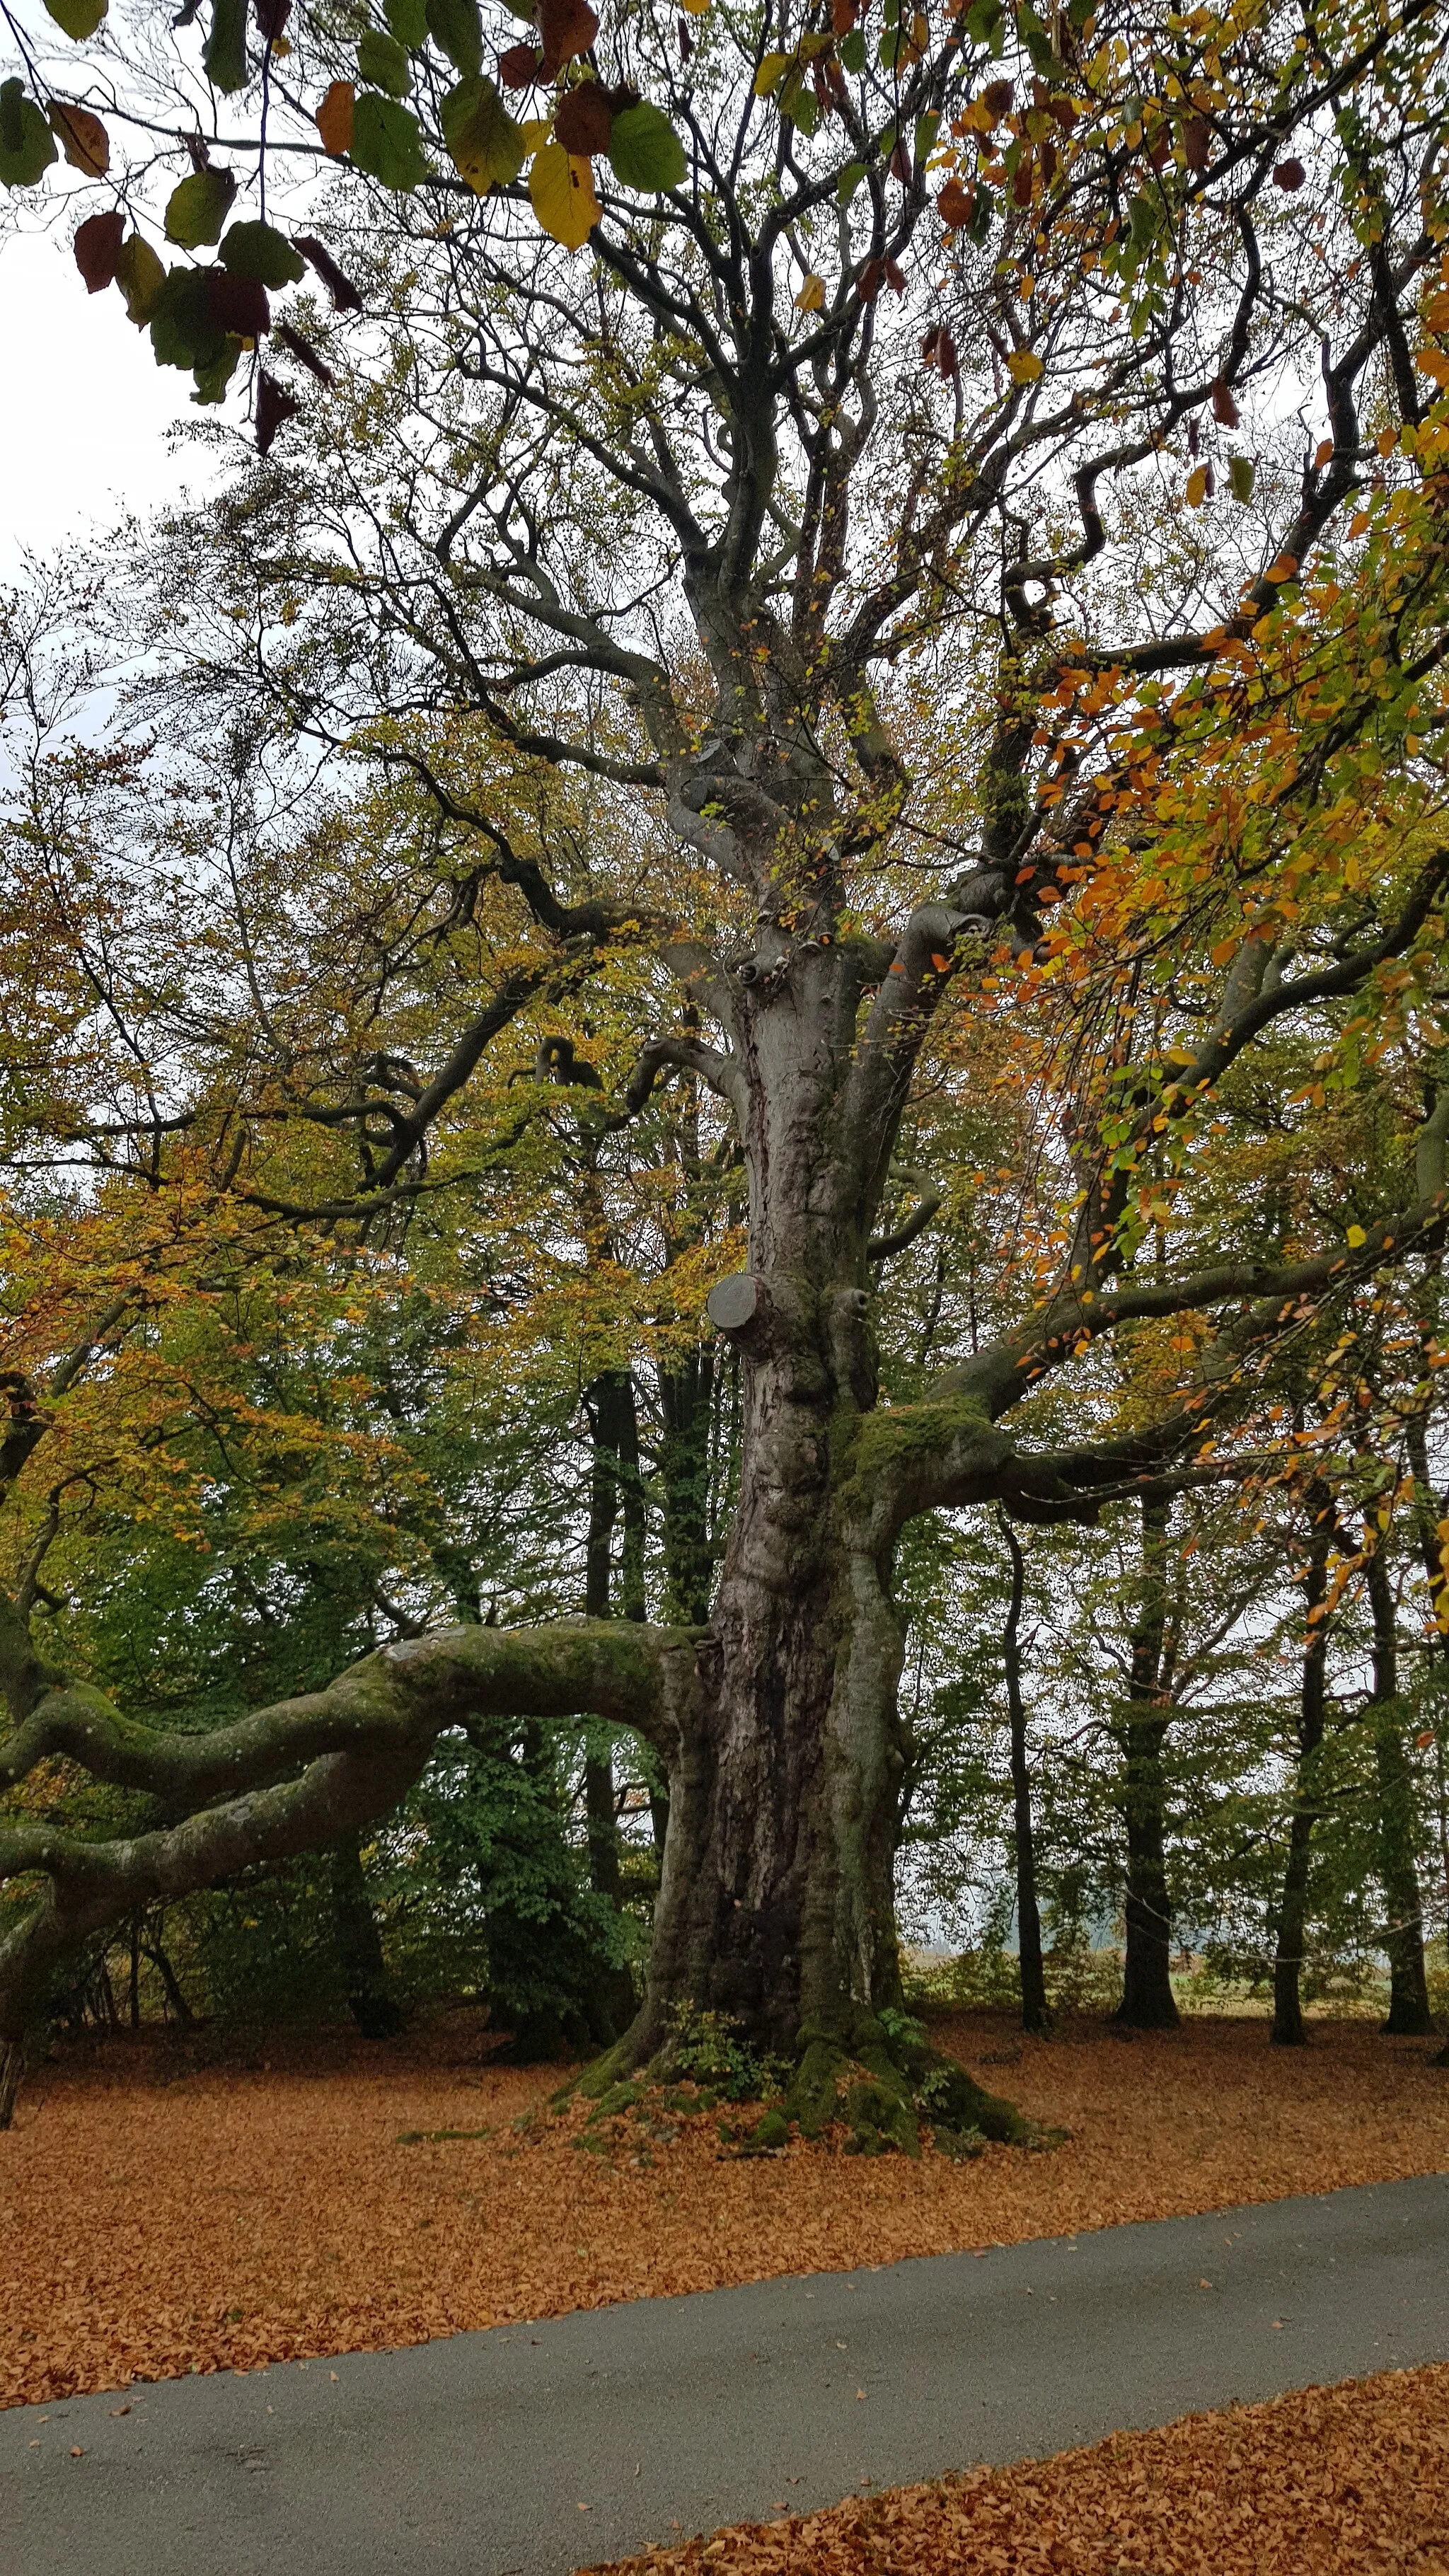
x: 383, y: 63
x: 212, y: 381
x: 197, y: 210
x: 386, y: 142
x: 801, y: 106
x: 457, y: 30
x: 78, y: 18
x: 259, y: 251
x: 848, y: 181
x: 1241, y: 477
x: 771, y: 72
x: 644, y: 150
x: 927, y: 130
x: 488, y: 148
x: 27, y: 146
x: 408, y: 21
x: 225, y: 51
x: 986, y: 24
x: 183, y: 330
x: 852, y: 50
x: 140, y: 277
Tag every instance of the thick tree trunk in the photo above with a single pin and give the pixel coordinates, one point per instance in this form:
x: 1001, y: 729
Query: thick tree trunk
x: 365, y: 1981
x: 1034, y: 2014
x: 1409, y: 2014
x: 1289, y: 2027
x: 1148, y: 2002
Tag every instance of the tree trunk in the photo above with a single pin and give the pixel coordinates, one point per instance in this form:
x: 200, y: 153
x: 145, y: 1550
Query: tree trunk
x: 370, y: 1998
x: 1148, y: 2002
x: 1409, y: 2014
x: 12, y: 2067
x: 1289, y: 2027
x: 1034, y: 2014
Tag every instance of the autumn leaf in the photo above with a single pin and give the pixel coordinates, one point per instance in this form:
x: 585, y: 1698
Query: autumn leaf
x: 561, y: 189
x: 140, y: 277
x: 1289, y: 176
x: 197, y: 210
x: 82, y: 138
x: 77, y: 18
x: 956, y: 205
x: 97, y: 248
x: 486, y: 144
x: 1024, y: 366
x: 1197, y: 487
x: 344, y: 295
x: 520, y: 67
x: 274, y: 406
x: 1225, y: 410
x: 584, y: 120
x: 567, y: 27
x: 811, y: 297
x: 334, y: 118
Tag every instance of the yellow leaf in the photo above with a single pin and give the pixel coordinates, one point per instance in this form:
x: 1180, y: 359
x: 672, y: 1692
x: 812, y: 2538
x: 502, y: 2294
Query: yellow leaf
x: 771, y: 66
x: 562, y: 190
x: 535, y: 131
x: 1355, y: 1238
x: 1197, y: 487
x: 1283, y: 568
x: 811, y: 297
x: 1024, y: 366
x: 696, y: 8
x: 1434, y: 363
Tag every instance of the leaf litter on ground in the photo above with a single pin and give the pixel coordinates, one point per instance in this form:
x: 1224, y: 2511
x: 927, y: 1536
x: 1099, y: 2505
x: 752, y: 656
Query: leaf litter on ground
x: 165, y: 2214
x: 1347, y: 2481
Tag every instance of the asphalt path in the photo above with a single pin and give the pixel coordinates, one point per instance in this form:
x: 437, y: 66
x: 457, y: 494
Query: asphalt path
x: 530, y: 2450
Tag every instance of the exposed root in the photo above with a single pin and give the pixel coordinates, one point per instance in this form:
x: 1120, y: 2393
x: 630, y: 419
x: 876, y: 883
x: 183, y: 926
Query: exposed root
x: 884, y: 2087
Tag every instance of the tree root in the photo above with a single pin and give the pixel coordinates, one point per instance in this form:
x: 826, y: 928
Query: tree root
x: 883, y: 2086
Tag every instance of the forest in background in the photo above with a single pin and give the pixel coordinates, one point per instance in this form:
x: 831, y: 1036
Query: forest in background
x: 724, y: 1093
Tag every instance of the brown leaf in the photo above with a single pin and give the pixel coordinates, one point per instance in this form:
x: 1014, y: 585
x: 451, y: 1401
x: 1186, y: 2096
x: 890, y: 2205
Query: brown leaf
x: 870, y: 278
x: 345, y: 297
x: 271, y: 17
x: 520, y: 67
x: 96, y: 246
x: 303, y: 351
x: 1225, y: 410
x: 82, y: 138
x: 1289, y: 176
x: 895, y: 276
x: 568, y: 27
x: 1197, y: 142
x: 956, y: 205
x: 274, y: 406
x: 997, y: 98
x: 334, y: 118
x: 584, y: 120
x: 238, y: 304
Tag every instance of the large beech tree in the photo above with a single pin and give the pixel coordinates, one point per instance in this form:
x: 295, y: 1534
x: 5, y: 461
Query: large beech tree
x: 1071, y: 382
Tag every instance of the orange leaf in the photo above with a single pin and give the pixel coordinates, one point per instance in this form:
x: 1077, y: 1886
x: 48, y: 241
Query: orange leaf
x: 334, y: 119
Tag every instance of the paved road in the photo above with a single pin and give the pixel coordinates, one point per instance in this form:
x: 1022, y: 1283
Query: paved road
x: 476, y: 2456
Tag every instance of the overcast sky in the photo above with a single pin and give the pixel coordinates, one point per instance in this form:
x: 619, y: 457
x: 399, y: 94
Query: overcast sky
x: 85, y: 411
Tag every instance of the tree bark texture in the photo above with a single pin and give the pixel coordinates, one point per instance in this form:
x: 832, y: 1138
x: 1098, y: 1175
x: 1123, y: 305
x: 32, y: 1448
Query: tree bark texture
x: 1289, y: 2027
x: 1148, y: 2002
x: 1034, y: 2013
x: 1409, y: 2014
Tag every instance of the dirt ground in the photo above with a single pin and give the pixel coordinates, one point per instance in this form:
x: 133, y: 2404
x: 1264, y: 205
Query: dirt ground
x: 1350, y: 2481
x: 159, y: 2214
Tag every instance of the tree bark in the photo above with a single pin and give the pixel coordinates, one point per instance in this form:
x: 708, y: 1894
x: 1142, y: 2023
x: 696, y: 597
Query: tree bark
x: 365, y: 1980
x: 1289, y: 2027
x: 1148, y: 2002
x: 1034, y: 2014
x: 1409, y: 2014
